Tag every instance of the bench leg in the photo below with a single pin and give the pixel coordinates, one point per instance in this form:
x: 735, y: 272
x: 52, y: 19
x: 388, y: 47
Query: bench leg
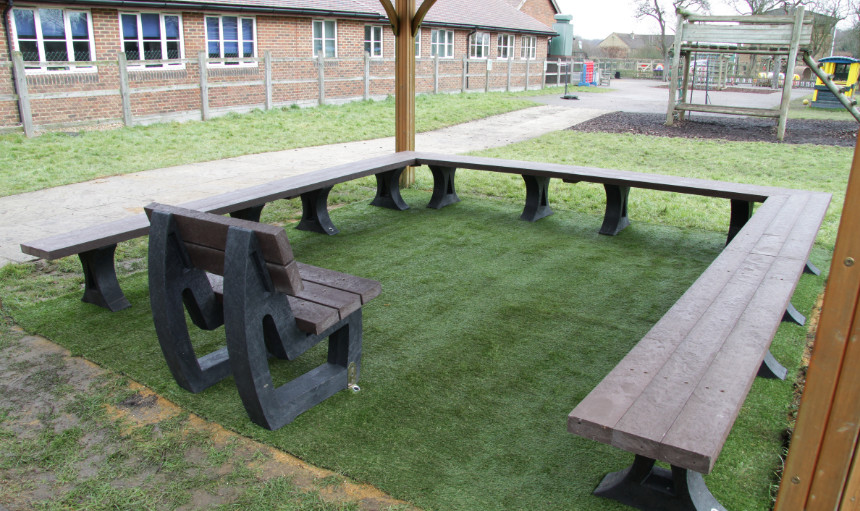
x: 615, y: 219
x: 100, y: 284
x: 811, y: 269
x: 443, y: 187
x: 253, y: 213
x: 742, y: 211
x: 315, y: 217
x: 793, y: 315
x: 646, y: 486
x: 388, y: 191
x: 771, y: 368
x: 537, y: 198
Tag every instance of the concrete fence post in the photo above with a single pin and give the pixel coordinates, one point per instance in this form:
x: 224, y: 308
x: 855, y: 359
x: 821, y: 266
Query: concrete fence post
x: 23, y: 96
x: 321, y: 76
x: 267, y: 78
x: 508, y: 83
x: 465, y: 72
x: 528, y: 69
x: 124, y: 88
x: 543, y: 76
x: 204, y: 86
x: 489, y: 65
x: 436, y: 74
x: 366, y: 76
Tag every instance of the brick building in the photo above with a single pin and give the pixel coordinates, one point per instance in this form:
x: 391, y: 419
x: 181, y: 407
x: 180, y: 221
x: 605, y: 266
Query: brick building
x: 88, y: 61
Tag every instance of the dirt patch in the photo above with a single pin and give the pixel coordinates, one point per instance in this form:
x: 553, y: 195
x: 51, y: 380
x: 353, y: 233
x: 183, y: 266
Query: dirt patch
x: 735, y: 128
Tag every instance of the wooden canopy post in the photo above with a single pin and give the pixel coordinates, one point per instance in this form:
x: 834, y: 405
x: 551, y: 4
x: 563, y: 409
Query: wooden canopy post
x: 405, y: 23
x: 822, y: 471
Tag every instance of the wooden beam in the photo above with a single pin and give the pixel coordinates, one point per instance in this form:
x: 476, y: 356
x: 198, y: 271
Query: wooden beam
x: 824, y: 437
x: 419, y: 16
x: 392, y: 16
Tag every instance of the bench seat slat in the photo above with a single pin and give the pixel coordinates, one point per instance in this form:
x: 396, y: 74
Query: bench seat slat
x: 367, y: 289
x: 799, y: 242
x: 88, y: 238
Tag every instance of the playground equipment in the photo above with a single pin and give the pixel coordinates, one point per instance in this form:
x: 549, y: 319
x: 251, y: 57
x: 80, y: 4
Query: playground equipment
x: 589, y: 75
x: 845, y: 71
x: 779, y: 36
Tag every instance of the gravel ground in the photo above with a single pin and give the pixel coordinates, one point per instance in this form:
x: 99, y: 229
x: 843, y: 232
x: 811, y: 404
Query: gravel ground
x: 735, y: 128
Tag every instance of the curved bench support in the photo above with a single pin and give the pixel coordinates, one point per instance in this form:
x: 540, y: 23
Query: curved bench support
x: 771, y: 368
x: 645, y: 486
x: 742, y: 211
x: 315, y: 217
x: 388, y: 190
x: 793, y: 315
x: 253, y: 213
x: 443, y: 187
x: 100, y: 284
x: 811, y: 269
x: 537, y: 198
x: 615, y: 219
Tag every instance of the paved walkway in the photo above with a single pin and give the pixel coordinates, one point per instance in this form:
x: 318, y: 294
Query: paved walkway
x: 30, y: 216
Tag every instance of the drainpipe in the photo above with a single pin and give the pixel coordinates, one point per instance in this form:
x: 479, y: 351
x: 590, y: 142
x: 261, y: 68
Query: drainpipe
x: 469, y: 64
x: 6, y: 11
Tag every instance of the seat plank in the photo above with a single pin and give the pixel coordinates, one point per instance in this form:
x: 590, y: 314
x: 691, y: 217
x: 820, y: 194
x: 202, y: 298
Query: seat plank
x: 367, y: 289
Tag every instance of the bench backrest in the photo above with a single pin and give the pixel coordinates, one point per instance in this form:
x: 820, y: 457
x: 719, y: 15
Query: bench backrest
x: 204, y: 236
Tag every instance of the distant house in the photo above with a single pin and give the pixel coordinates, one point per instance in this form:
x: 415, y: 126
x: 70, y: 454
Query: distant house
x: 73, y: 53
x: 619, y: 45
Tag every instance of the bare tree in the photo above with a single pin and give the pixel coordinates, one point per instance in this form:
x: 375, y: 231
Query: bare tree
x: 663, y: 12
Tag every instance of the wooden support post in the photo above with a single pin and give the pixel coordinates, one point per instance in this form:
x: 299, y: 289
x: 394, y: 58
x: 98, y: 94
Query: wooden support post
x: 321, y: 77
x: 404, y: 86
x: 789, y: 73
x: 23, y: 96
x: 267, y: 79
x: 673, y: 71
x: 366, y: 76
x: 124, y: 89
x: 685, y: 84
x: 204, y: 86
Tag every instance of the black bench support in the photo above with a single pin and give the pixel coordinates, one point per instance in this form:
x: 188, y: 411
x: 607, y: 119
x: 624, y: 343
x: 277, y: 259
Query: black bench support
x: 648, y: 487
x: 100, y: 283
x: 793, y: 315
x: 742, y: 211
x: 771, y: 369
x: 811, y: 269
x: 388, y: 190
x: 443, y: 187
x: 615, y: 219
x: 315, y: 217
x: 537, y: 198
x: 252, y: 214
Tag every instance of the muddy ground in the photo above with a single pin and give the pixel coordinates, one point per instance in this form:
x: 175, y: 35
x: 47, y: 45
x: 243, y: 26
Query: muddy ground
x: 735, y: 128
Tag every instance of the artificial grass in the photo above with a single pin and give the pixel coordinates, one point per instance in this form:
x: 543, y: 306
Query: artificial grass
x: 488, y: 332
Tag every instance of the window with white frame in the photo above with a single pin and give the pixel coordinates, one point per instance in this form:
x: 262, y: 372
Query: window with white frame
x: 418, y: 44
x: 325, y: 38
x: 506, y: 46
x: 372, y: 40
x: 529, y: 47
x: 479, y: 45
x: 442, y: 43
x: 152, y: 36
x: 53, y: 35
x: 230, y: 37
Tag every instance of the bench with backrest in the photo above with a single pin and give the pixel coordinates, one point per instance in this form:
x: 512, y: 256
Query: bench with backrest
x: 675, y: 396
x: 242, y: 274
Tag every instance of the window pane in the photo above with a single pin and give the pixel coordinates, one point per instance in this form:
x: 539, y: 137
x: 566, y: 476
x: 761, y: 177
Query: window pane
x: 172, y: 50
x: 132, y: 52
x: 151, y: 26
x: 171, y: 27
x: 367, y: 33
x: 231, y: 49
x: 377, y: 49
x: 231, y: 28
x: 129, y: 26
x: 78, y: 23
x: 317, y: 30
x: 52, y: 24
x: 367, y: 47
x: 329, y: 47
x: 213, y: 33
x: 25, y: 23
x: 248, y: 30
x: 82, y: 50
x: 56, y: 51
x: 29, y: 50
x: 214, y: 50
x: 248, y: 50
x: 152, y: 50
x: 317, y: 47
x: 329, y: 29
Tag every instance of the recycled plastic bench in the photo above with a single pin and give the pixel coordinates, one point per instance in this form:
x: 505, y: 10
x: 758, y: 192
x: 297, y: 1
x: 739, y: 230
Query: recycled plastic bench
x: 677, y: 393
x: 242, y: 274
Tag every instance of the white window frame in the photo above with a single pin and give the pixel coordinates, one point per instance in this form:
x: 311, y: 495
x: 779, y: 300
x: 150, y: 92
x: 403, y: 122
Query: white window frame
x: 40, y: 66
x: 528, y: 47
x: 324, y: 37
x: 240, y: 40
x: 506, y: 50
x: 376, y: 36
x: 479, y: 42
x: 418, y: 44
x: 181, y: 41
x: 446, y: 44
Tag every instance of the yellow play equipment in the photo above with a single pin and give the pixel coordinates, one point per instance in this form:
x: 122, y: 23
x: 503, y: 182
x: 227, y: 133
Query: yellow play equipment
x: 845, y: 72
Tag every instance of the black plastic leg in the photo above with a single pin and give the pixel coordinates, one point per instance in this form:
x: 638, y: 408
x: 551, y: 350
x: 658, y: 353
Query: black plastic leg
x: 253, y: 213
x: 443, y: 187
x: 648, y: 487
x: 771, y: 368
x: 793, y: 315
x: 388, y: 190
x: 537, y: 198
x: 615, y: 219
x: 811, y: 269
x: 100, y: 284
x: 315, y: 217
x: 742, y: 211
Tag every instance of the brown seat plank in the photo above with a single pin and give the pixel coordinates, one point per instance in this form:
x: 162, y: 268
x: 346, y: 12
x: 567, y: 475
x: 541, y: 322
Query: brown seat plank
x: 343, y: 301
x: 367, y: 289
x: 87, y: 238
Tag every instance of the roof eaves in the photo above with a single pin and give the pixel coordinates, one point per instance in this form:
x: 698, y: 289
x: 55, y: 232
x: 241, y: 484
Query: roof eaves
x: 197, y: 5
